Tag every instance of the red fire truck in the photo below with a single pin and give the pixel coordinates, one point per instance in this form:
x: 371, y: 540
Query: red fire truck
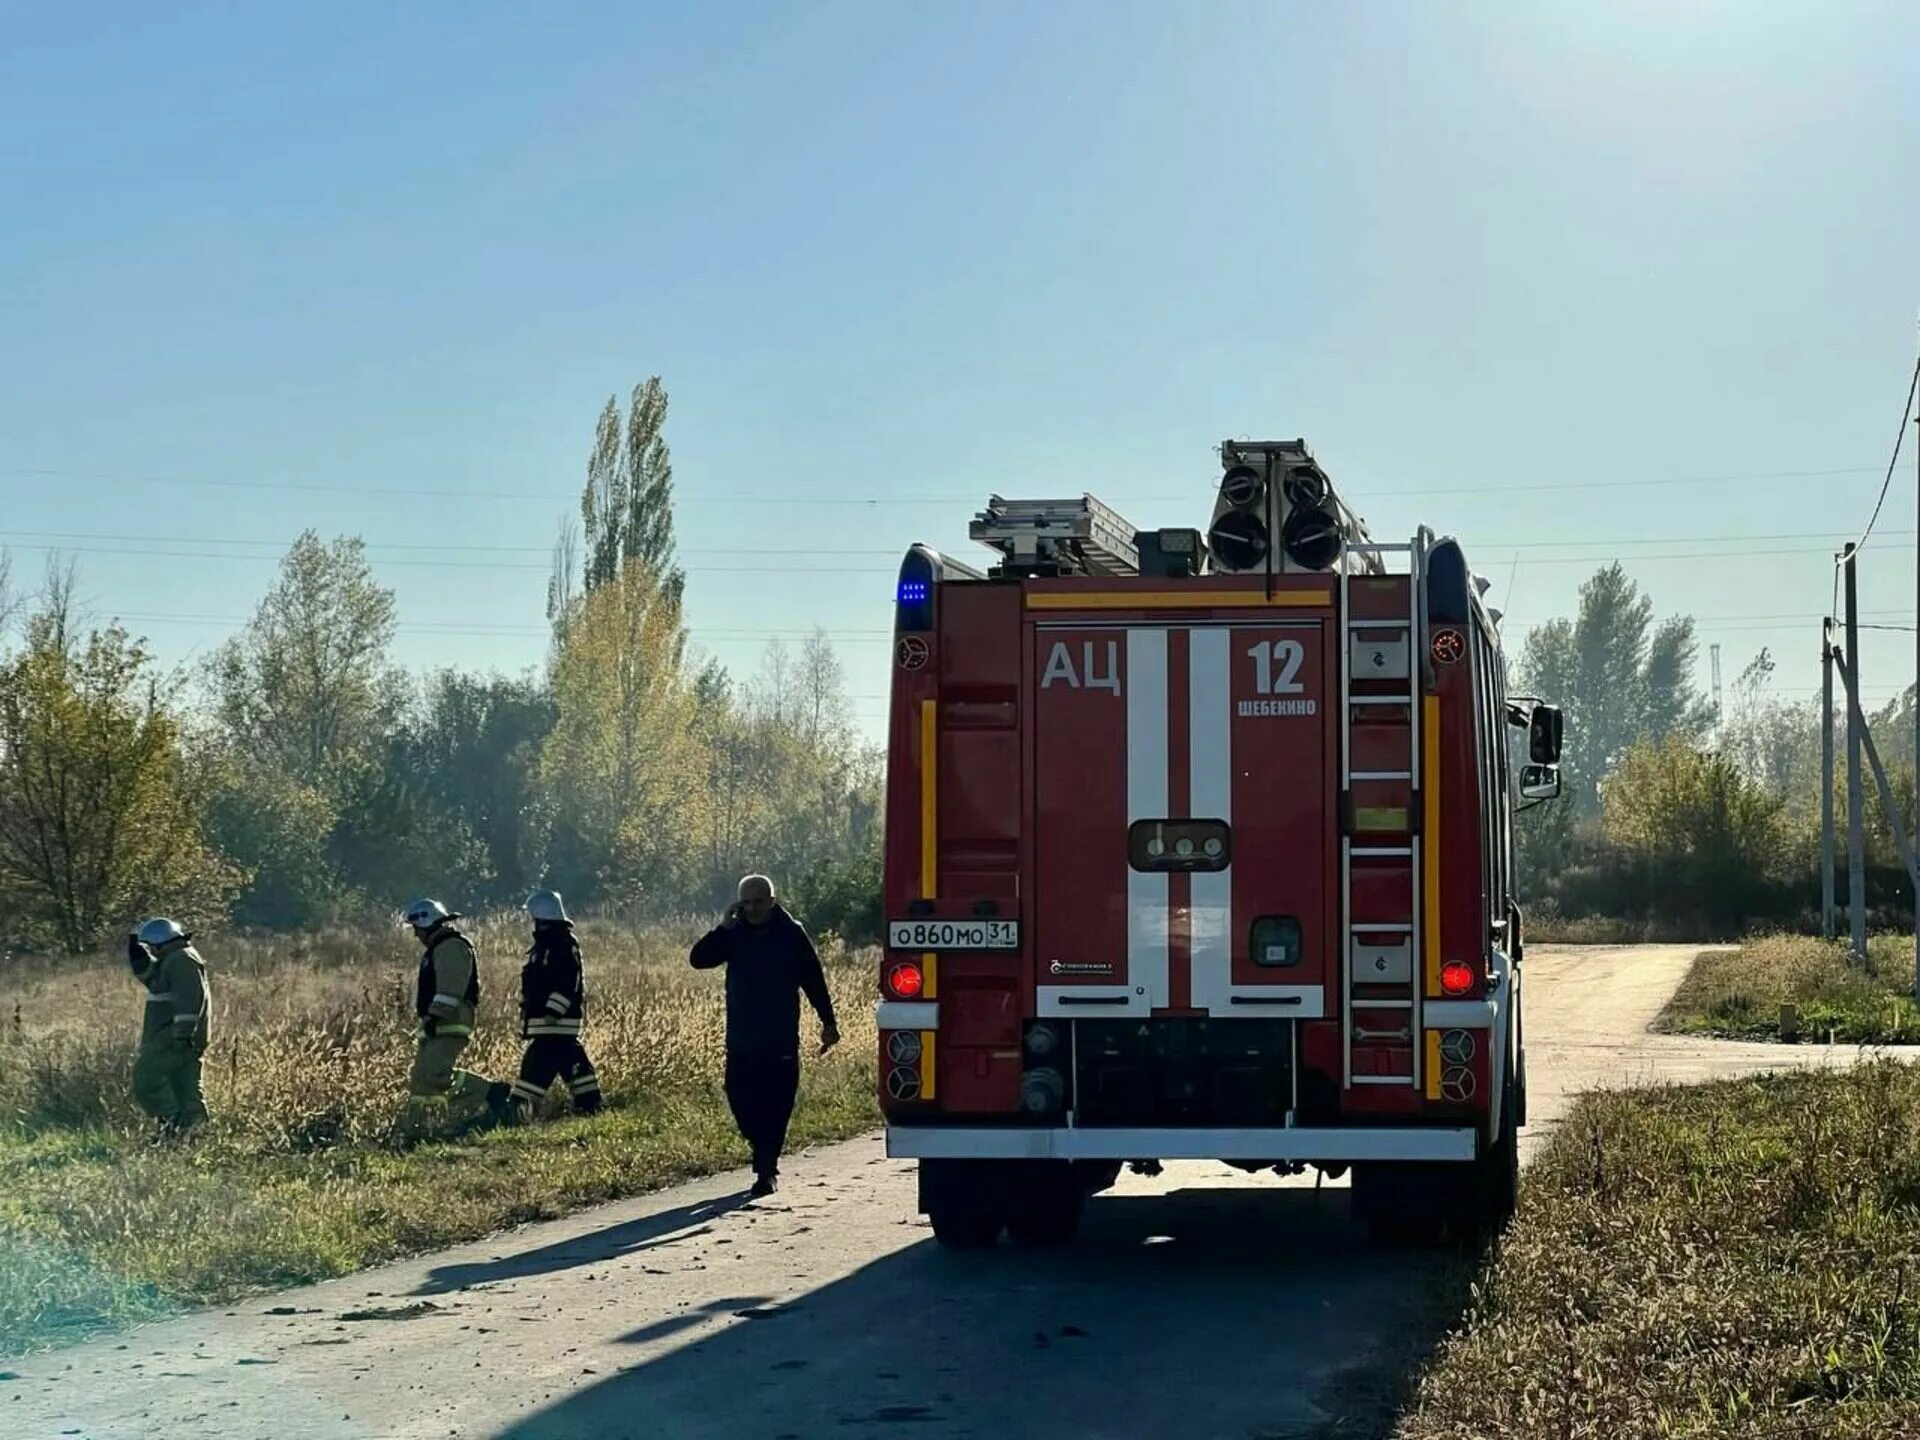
x: 1199, y: 846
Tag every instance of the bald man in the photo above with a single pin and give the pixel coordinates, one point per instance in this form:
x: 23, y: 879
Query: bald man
x: 770, y: 964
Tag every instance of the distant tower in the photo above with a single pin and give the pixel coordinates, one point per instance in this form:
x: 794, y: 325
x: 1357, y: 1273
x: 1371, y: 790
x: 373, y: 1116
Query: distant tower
x: 1719, y: 713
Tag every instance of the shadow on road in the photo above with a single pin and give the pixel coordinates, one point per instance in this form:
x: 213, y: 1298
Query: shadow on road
x: 669, y: 1227
x: 1242, y: 1312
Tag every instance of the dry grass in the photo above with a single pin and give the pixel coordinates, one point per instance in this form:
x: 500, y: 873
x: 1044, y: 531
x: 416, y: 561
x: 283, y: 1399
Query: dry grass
x: 1738, y: 1259
x: 1738, y: 993
x: 296, y: 1179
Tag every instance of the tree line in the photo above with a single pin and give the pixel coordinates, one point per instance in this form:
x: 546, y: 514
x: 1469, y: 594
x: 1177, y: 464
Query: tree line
x: 302, y: 778
x: 1676, y: 817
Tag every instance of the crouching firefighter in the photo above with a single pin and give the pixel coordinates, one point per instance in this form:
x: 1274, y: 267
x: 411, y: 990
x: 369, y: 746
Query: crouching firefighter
x: 553, y: 996
x: 173, y: 1037
x: 446, y: 998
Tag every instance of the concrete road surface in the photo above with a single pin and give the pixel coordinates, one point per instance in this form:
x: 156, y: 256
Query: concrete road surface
x: 1203, y: 1303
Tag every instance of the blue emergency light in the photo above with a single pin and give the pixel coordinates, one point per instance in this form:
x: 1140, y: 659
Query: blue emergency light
x: 913, y: 598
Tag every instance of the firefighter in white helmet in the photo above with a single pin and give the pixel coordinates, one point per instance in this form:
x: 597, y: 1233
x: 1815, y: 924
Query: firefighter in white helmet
x: 446, y: 998
x: 174, y: 1034
x: 553, y: 996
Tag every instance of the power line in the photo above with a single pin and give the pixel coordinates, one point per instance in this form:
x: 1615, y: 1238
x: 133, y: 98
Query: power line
x: 801, y: 551
x: 1899, y: 440
x: 790, y: 498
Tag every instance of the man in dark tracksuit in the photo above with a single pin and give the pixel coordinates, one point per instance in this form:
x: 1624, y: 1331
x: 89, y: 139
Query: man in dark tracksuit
x: 553, y: 998
x: 770, y: 964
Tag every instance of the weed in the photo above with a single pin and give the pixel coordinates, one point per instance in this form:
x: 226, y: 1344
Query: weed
x: 294, y: 1179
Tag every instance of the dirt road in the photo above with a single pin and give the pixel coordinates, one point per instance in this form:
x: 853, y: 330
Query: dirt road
x: 1202, y: 1303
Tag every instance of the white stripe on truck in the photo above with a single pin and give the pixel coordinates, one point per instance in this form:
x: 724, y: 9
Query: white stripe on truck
x: 1210, y: 766
x: 1147, y: 927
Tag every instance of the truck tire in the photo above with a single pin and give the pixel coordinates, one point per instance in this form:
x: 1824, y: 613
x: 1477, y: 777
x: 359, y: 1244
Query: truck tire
x: 965, y: 1226
x: 965, y: 1201
x: 1495, y: 1188
x: 1045, y: 1206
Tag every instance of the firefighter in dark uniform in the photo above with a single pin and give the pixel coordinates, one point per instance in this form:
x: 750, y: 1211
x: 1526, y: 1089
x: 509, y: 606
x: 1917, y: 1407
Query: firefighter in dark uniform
x: 446, y: 998
x: 553, y: 995
x: 174, y: 1032
x: 770, y: 964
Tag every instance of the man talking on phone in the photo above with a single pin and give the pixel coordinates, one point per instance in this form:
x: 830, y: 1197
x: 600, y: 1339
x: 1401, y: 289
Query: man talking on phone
x: 770, y: 964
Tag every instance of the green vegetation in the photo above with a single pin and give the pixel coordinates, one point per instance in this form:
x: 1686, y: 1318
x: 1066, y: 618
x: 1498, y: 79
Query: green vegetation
x: 1675, y: 824
x: 1738, y: 993
x: 1735, y: 1259
x: 299, y: 778
x: 295, y: 1179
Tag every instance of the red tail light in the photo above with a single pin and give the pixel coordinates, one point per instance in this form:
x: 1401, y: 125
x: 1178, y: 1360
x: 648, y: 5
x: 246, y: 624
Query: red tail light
x: 905, y: 980
x: 1456, y: 977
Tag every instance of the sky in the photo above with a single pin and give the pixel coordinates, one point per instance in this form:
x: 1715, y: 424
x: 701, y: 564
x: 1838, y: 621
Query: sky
x: 1573, y: 282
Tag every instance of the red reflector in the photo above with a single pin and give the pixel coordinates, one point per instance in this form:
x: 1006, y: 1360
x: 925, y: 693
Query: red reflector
x: 905, y: 980
x: 1456, y: 977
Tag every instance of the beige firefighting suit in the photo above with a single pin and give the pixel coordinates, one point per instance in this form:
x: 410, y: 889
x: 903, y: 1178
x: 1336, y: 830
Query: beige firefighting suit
x: 438, y: 1093
x: 173, y: 1037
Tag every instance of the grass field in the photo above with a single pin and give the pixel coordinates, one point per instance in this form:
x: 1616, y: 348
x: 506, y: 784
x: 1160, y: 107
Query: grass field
x: 1738, y: 993
x: 1736, y: 1259
x: 296, y: 1179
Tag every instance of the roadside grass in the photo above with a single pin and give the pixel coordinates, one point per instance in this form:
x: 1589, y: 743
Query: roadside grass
x: 1737, y: 994
x: 296, y: 1178
x: 1734, y: 1259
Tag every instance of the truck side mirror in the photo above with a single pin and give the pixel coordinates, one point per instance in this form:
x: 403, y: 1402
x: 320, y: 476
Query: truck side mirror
x: 1540, y: 782
x: 1543, y: 735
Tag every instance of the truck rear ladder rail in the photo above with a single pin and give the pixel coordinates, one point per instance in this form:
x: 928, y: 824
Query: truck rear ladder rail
x: 1400, y: 636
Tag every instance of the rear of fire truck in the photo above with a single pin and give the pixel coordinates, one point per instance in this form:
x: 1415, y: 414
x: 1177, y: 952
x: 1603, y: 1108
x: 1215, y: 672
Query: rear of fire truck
x: 1199, y: 847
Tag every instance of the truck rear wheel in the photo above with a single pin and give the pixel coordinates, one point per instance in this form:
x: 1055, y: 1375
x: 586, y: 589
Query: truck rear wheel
x: 1496, y: 1174
x: 965, y: 1226
x: 1046, y: 1205
x: 965, y: 1201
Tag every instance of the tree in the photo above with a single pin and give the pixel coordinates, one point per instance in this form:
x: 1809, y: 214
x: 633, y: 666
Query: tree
x: 793, y: 792
x: 1618, y: 677
x: 627, y: 506
x: 305, y: 688
x: 99, y: 814
x: 1700, y: 838
x: 474, y: 752
x: 620, y: 768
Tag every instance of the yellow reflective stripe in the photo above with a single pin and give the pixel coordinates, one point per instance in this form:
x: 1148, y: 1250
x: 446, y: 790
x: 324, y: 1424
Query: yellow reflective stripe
x: 1433, y: 1065
x: 929, y: 801
x: 1430, y: 838
x: 929, y: 976
x: 927, y: 1071
x: 1174, y: 599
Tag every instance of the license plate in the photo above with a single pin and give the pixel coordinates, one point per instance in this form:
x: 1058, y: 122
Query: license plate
x: 954, y: 934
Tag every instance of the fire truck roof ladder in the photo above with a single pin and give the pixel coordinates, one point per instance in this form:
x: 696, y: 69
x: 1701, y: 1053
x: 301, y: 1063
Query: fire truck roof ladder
x: 1393, y: 652
x: 1078, y: 536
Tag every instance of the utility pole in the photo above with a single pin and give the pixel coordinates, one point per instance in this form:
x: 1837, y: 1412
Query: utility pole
x: 1856, y: 798
x: 1826, y: 778
x: 1916, y: 713
x: 1719, y: 706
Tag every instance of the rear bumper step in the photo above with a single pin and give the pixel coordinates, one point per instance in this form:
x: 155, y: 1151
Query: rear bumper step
x: 975, y: 1142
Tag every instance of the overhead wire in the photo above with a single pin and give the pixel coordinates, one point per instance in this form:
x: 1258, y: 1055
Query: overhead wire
x: 1899, y: 440
x: 791, y: 498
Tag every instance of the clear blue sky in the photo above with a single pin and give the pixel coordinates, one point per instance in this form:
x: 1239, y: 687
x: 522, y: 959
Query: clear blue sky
x: 892, y: 257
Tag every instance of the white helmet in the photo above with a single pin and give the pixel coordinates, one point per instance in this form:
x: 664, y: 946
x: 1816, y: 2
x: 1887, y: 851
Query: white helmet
x: 423, y: 915
x: 547, y: 905
x: 159, y: 931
